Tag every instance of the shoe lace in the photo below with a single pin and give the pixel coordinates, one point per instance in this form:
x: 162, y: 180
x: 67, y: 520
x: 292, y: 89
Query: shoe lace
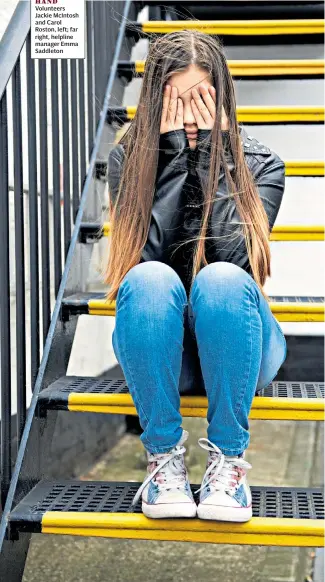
x: 222, y: 473
x: 171, y: 469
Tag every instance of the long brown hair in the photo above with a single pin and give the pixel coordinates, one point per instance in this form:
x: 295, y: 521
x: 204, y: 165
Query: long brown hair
x: 130, y: 217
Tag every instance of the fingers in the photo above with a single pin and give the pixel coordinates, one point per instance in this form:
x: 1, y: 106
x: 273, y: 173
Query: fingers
x: 197, y: 114
x: 172, y: 110
x: 204, y: 107
x: 173, y: 105
x: 164, y: 113
x: 170, y: 104
x: 204, y: 102
x: 180, y: 113
x: 213, y: 93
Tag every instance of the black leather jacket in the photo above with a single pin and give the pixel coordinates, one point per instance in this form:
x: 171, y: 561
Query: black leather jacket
x: 176, y: 217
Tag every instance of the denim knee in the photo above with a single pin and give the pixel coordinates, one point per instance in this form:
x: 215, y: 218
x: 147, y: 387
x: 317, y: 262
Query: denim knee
x: 151, y: 278
x: 224, y: 284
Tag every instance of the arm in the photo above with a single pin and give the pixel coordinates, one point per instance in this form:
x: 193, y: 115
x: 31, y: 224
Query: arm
x: 270, y: 175
x: 169, y: 197
x: 270, y: 182
x: 115, y: 164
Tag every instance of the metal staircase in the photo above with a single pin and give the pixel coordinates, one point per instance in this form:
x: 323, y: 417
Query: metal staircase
x: 38, y: 501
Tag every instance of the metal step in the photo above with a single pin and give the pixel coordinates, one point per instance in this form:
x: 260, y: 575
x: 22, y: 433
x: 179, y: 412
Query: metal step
x: 234, y: 9
x: 238, y: 32
x: 278, y: 401
x: 284, y: 308
x: 282, y: 516
x: 249, y: 70
x: 303, y: 168
x: 94, y: 231
x: 248, y: 114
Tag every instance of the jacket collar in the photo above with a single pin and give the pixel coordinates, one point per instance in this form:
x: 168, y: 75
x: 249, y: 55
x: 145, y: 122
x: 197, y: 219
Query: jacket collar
x: 251, y: 145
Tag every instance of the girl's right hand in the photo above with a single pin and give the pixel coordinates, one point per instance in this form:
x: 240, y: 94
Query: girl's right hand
x: 172, y: 111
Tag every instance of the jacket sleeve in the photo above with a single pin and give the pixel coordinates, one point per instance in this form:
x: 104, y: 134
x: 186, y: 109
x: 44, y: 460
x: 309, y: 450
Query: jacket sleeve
x: 271, y: 183
x: 169, y: 195
x: 229, y: 244
x: 115, y: 164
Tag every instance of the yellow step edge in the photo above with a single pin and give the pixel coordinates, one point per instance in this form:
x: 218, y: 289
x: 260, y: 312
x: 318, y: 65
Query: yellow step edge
x: 268, y: 113
x: 301, y: 312
x: 296, y: 308
x: 304, y: 168
x: 263, y: 408
x: 279, y: 233
x: 258, y: 531
x: 266, y: 67
x: 296, y: 233
x: 282, y: 311
x: 238, y: 27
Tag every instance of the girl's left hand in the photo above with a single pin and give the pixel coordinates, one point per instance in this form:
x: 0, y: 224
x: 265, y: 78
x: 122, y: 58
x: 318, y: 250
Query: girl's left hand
x: 204, y: 108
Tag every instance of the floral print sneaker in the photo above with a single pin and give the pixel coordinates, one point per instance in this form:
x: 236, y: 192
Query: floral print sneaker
x: 166, y: 490
x: 224, y: 494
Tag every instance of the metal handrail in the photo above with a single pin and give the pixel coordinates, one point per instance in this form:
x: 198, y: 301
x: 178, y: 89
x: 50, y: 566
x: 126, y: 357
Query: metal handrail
x: 13, y: 41
x: 65, y: 278
x: 47, y: 234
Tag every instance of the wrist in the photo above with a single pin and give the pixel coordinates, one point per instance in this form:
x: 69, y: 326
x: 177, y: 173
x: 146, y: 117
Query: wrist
x: 176, y: 139
x: 204, y: 144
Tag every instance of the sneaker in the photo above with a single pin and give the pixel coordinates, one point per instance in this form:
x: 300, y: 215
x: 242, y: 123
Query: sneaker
x: 224, y: 494
x: 166, y: 491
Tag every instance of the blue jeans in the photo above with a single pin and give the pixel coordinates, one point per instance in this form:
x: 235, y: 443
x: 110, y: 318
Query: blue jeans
x: 240, y: 348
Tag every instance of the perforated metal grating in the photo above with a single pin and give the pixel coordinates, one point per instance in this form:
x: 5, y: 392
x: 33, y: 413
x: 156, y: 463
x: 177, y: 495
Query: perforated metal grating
x: 59, y: 391
x: 294, y: 390
x: 95, y: 386
x: 295, y: 299
x: 276, y: 502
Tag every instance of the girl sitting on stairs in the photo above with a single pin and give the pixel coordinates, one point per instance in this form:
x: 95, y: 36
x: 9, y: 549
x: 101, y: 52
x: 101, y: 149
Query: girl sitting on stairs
x: 193, y: 201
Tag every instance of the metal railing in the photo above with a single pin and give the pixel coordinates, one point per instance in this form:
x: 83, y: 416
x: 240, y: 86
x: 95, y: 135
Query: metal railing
x: 47, y: 137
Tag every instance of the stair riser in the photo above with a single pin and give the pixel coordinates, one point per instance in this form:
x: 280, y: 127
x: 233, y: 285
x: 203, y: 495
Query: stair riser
x: 247, y: 115
x: 239, y: 32
x: 249, y: 70
x: 279, y: 233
